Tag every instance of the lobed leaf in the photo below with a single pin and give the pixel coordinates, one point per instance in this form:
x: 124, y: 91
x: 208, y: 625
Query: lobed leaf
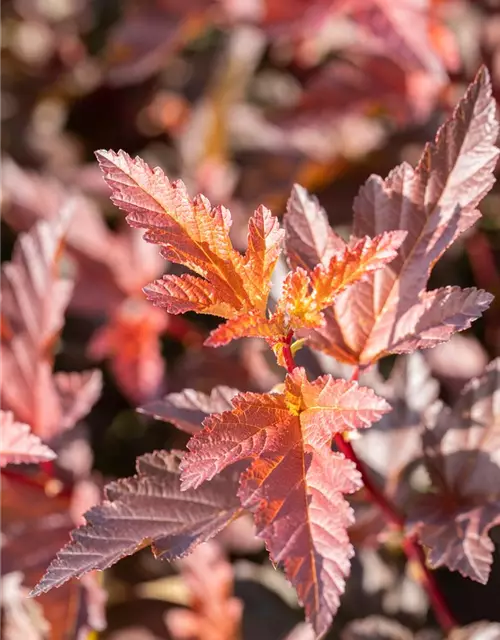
x: 295, y: 483
x: 146, y: 509
x: 390, y: 311
x: 461, y: 452
x: 34, y: 300
x: 18, y: 445
x: 193, y: 233
x: 227, y: 284
x: 187, y: 409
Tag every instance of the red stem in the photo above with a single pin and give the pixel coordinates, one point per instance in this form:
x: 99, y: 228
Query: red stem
x: 411, y: 547
x: 287, y: 353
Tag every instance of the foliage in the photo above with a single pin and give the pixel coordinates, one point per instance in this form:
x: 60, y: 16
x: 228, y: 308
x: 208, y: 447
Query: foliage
x: 302, y: 384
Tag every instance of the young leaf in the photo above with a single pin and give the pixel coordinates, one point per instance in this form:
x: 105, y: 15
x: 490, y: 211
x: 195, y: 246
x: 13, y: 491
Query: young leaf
x: 193, y: 233
x: 295, y: 483
x: 462, y: 455
x: 18, y: 444
x: 187, y: 409
x: 390, y: 311
x: 227, y: 284
x: 146, y: 509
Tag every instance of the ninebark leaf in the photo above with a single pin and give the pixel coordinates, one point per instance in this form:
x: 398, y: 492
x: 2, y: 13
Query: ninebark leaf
x: 390, y: 311
x: 146, y: 509
x: 226, y: 283
x: 34, y: 299
x: 187, y: 409
x: 18, y: 444
x: 295, y: 483
x: 462, y: 455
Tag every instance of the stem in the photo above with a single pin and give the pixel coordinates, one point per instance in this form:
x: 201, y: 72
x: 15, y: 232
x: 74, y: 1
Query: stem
x: 287, y: 353
x: 411, y: 547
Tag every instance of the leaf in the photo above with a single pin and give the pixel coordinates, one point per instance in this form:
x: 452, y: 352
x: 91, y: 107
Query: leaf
x: 77, y: 393
x: 309, y: 238
x: 193, y: 233
x: 35, y: 523
x: 214, y: 613
x: 18, y: 444
x: 34, y: 300
x: 146, y: 509
x: 131, y: 339
x: 394, y: 442
x: 187, y: 409
x: 461, y: 452
x: 391, y: 311
x: 376, y: 628
x: 196, y: 235
x: 295, y: 483
x: 404, y: 29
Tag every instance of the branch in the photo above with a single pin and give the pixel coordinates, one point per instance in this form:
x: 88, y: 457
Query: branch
x: 411, y: 546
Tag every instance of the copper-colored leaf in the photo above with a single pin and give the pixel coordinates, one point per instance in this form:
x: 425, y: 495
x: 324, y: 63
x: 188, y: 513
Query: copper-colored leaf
x: 233, y: 286
x: 146, y: 509
x: 193, y: 233
x: 18, y: 444
x: 295, y: 483
x: 390, y: 310
x: 187, y: 409
x: 461, y: 449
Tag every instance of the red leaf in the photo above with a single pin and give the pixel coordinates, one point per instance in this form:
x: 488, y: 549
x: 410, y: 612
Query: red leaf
x: 18, y: 444
x: 34, y: 299
x: 402, y: 28
x: 187, y: 409
x: 295, y: 484
x: 391, y: 311
x: 215, y: 614
x: 146, y: 509
x: 35, y: 523
x: 131, y: 339
x: 461, y: 449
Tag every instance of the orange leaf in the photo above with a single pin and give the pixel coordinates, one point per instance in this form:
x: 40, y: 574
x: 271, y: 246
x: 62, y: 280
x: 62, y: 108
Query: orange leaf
x: 294, y: 483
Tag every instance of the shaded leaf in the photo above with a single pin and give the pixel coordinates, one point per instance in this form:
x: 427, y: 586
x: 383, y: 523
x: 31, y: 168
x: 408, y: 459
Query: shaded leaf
x: 461, y: 452
x: 187, y: 409
x: 146, y: 509
x: 36, y: 521
x: 18, y: 444
x: 376, y: 628
x: 295, y: 484
x: 34, y: 300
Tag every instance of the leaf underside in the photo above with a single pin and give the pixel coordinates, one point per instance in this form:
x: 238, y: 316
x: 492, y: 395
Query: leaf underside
x: 146, y: 509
